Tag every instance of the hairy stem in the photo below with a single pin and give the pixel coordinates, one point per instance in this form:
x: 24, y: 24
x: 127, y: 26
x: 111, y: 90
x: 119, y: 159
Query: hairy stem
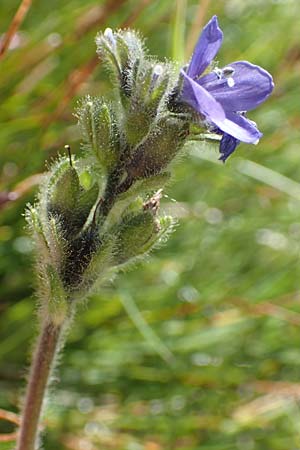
x: 40, y: 372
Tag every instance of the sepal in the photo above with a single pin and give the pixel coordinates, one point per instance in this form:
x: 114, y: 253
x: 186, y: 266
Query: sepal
x: 137, y: 190
x: 98, y: 126
x: 120, y: 50
x: 85, y: 204
x: 51, y: 292
x: 32, y: 217
x: 57, y: 305
x: 149, y: 83
x: 98, y: 269
x: 140, y: 230
x: 63, y: 192
x: 158, y: 150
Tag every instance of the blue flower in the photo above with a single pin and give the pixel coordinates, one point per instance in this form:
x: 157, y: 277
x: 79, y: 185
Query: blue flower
x: 223, y: 96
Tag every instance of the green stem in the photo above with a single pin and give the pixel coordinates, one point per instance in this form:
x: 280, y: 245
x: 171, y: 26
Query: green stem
x: 40, y: 372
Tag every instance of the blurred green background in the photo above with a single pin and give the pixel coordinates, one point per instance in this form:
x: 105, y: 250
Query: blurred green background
x: 199, y: 348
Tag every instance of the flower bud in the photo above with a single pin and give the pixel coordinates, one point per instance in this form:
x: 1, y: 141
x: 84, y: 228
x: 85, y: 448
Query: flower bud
x: 50, y: 247
x: 158, y: 150
x: 65, y: 200
x: 119, y: 51
x: 140, y: 230
x: 149, y: 85
x: 99, y: 129
x: 134, y: 234
x: 63, y: 191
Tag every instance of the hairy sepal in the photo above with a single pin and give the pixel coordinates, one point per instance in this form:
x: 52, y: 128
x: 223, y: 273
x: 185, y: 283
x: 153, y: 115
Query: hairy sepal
x: 138, y: 190
x: 144, y: 244
x: 119, y: 51
x: 98, y: 125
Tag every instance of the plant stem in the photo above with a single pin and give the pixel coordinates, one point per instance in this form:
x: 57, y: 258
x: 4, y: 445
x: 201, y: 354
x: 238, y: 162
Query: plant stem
x: 40, y: 372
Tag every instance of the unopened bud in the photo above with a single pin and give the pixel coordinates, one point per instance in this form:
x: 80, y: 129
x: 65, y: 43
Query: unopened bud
x: 119, y: 50
x: 97, y: 123
x: 135, y: 232
x: 63, y: 190
x: 158, y: 150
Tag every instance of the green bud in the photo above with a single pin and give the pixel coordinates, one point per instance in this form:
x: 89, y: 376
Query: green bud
x: 158, y: 150
x: 57, y: 243
x: 137, y: 124
x: 129, y: 46
x: 65, y: 201
x: 134, y: 194
x: 107, y: 50
x: 50, y: 249
x: 139, y: 230
x: 53, y: 298
x: 90, y: 217
x: 61, y: 188
x: 99, y: 130
x: 36, y: 228
x: 120, y: 50
x: 142, y: 83
x: 153, y: 85
x: 149, y: 86
x: 135, y: 232
x: 64, y: 192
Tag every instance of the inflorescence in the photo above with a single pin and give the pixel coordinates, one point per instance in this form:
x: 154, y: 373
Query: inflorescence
x: 98, y: 213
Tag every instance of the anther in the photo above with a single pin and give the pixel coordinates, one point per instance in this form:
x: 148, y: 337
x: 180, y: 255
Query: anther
x: 228, y: 71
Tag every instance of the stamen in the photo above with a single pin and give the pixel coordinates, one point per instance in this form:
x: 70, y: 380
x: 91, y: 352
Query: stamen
x: 218, y: 72
x: 227, y: 73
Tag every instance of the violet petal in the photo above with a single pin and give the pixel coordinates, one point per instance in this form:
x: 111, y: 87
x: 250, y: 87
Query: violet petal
x: 252, y: 85
x: 228, y: 145
x: 206, y: 48
x: 240, y: 128
x: 200, y: 100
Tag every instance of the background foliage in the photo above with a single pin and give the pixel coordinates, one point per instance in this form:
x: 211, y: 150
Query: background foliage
x: 200, y: 347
